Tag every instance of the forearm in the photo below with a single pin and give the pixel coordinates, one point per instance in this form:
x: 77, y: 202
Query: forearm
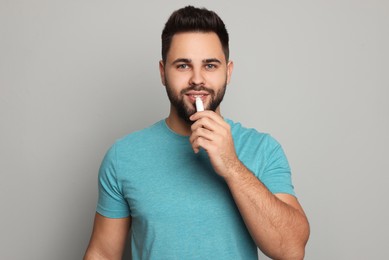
x: 279, y: 229
x: 95, y: 255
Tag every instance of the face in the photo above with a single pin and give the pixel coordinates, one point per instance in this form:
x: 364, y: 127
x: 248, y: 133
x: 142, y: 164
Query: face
x: 195, y: 66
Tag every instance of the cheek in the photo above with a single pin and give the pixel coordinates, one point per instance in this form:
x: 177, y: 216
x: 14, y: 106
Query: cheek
x: 217, y: 80
x: 177, y: 80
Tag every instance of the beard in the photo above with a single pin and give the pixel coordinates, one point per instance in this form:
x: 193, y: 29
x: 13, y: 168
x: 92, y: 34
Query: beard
x: 184, y: 110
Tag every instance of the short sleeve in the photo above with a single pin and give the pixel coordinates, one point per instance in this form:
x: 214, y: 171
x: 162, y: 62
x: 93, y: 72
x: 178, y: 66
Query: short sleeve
x: 111, y: 202
x: 277, y: 173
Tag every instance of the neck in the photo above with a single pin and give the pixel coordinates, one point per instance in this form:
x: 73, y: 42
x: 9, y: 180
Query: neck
x: 179, y: 125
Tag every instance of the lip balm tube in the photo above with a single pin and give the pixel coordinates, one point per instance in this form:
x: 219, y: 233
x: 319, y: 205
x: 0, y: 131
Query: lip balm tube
x: 199, y: 104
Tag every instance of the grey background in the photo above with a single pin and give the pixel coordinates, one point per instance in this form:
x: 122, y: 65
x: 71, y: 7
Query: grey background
x: 76, y: 75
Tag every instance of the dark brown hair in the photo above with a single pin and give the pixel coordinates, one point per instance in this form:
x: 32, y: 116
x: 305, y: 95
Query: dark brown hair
x: 192, y: 19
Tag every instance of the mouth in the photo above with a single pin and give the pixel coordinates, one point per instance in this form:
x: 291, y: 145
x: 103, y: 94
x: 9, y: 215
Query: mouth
x: 192, y: 95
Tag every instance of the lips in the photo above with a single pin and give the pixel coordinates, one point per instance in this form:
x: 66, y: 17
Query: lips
x: 192, y: 95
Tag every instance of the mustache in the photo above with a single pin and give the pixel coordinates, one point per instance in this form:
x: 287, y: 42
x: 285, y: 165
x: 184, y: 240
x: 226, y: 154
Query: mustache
x: 197, y: 88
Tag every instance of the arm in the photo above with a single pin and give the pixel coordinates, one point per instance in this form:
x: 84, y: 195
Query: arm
x: 108, y: 238
x: 276, y: 223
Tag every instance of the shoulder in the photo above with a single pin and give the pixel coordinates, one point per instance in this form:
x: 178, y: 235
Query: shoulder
x: 132, y: 144
x: 140, y: 136
x: 242, y: 134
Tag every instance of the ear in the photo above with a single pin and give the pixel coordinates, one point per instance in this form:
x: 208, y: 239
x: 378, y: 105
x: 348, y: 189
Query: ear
x: 230, y: 67
x: 162, y: 72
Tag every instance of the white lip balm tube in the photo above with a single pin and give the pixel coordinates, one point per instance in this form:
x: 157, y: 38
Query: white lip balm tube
x: 199, y: 104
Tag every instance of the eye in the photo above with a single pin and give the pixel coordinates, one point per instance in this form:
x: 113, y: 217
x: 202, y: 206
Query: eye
x: 183, y: 66
x: 210, y: 66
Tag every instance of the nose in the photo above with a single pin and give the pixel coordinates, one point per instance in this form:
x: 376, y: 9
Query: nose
x: 197, y: 78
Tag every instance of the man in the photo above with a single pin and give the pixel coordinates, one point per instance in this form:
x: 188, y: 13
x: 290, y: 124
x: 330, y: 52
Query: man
x: 196, y: 185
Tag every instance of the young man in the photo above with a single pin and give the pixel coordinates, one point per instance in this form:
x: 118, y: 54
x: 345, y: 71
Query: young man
x: 196, y: 185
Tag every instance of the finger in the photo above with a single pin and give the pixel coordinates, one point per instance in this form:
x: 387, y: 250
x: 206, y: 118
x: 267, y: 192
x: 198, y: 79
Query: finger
x: 212, y: 123
x: 204, y: 143
x: 201, y: 132
x: 213, y: 138
x: 210, y: 114
x: 210, y: 120
x: 205, y: 122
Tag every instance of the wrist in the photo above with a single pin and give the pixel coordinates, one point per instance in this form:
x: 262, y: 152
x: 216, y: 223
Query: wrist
x: 235, y: 171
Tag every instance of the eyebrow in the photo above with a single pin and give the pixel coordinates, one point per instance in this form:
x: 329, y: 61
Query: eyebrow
x: 182, y: 60
x: 185, y: 60
x: 212, y: 60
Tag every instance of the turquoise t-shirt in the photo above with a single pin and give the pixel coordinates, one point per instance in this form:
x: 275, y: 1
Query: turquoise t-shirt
x: 180, y: 208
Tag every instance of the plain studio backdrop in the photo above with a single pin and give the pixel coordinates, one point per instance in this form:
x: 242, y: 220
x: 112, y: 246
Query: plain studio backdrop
x: 77, y: 75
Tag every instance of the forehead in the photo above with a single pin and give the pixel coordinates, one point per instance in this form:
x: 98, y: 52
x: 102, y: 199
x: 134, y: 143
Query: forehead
x: 196, y: 46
